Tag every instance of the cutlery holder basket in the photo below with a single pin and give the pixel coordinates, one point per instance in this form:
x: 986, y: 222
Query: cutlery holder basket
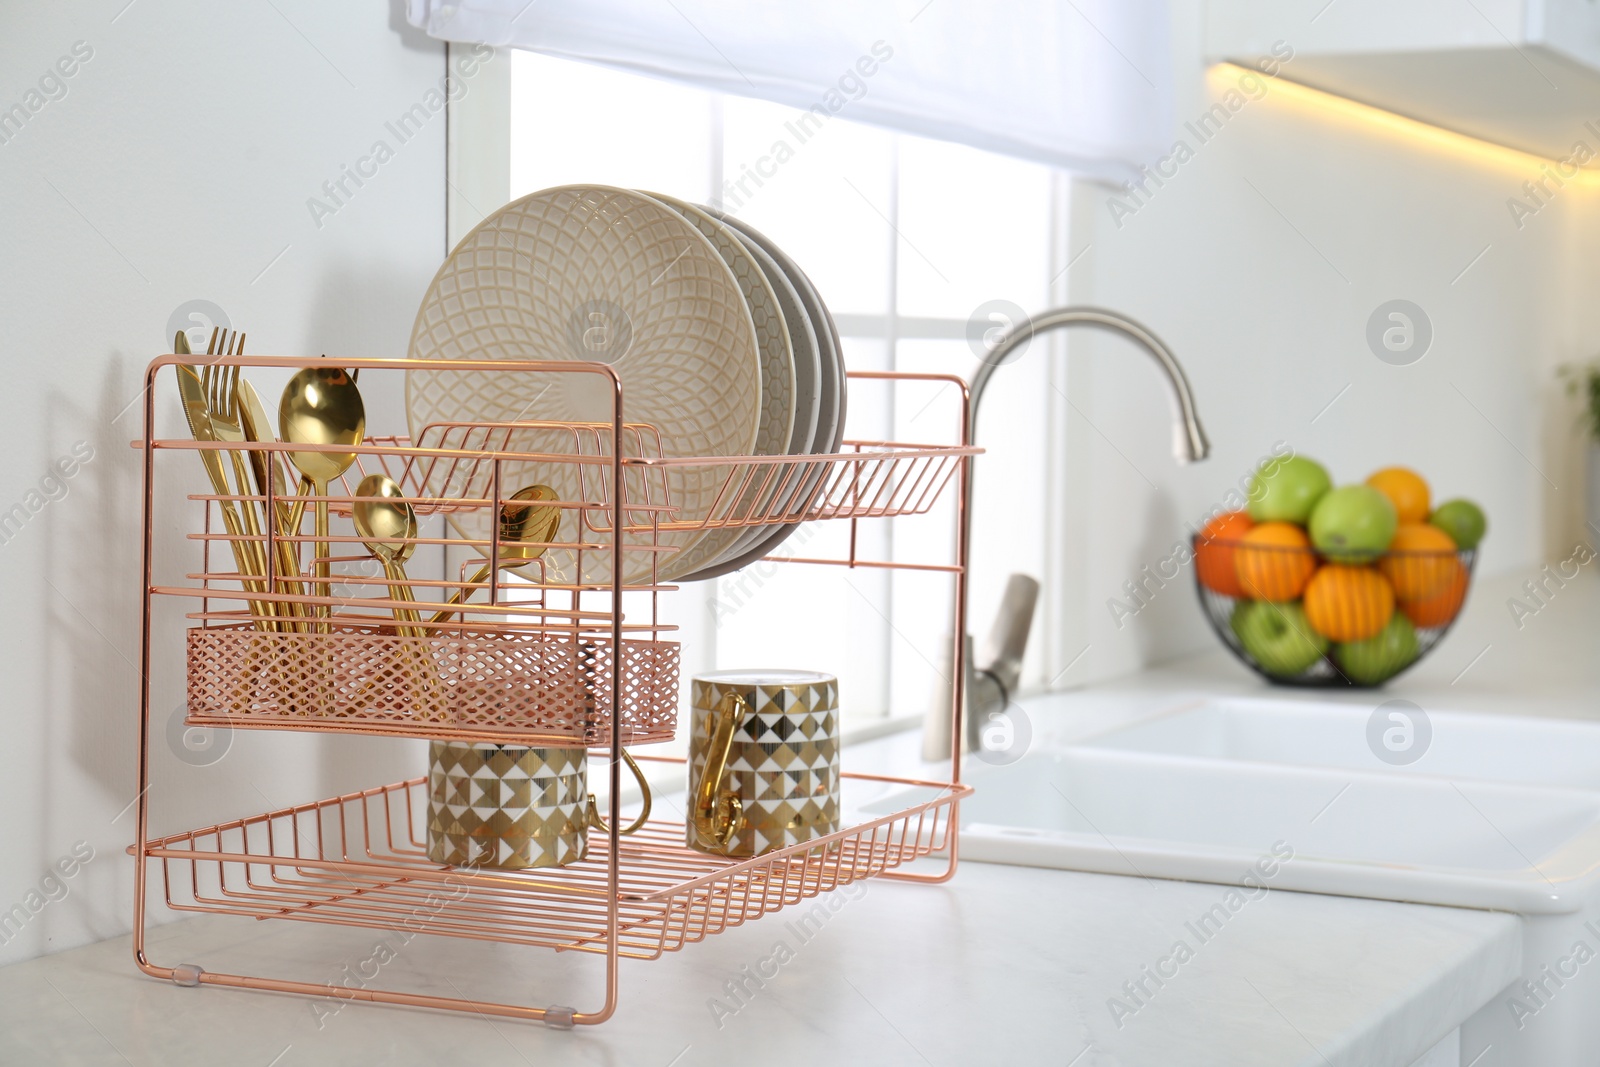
x: 368, y: 681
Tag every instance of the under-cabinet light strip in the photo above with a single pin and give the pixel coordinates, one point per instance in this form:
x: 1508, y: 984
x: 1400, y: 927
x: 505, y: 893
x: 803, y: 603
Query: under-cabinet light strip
x: 1525, y: 164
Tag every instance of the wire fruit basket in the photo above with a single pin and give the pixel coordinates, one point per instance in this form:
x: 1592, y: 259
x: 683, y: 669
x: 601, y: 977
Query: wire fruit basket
x: 299, y: 631
x: 1298, y: 618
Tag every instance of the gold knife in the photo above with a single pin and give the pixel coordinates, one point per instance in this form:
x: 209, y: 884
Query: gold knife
x: 265, y: 466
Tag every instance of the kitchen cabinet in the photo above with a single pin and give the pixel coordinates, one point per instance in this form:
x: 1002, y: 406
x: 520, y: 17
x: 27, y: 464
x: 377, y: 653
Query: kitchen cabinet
x: 1522, y: 73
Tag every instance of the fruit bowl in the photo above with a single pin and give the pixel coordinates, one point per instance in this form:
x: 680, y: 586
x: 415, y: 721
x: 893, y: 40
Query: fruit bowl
x: 1297, y: 617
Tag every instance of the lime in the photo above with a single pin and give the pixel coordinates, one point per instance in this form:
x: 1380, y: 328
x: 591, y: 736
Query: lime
x: 1463, y: 520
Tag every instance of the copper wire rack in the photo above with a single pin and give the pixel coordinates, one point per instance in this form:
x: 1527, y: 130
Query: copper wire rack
x: 361, y: 860
x: 295, y: 631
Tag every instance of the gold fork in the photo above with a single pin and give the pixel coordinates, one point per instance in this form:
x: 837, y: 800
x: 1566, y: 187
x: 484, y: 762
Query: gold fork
x: 221, y: 387
x: 199, y: 419
x: 231, y: 420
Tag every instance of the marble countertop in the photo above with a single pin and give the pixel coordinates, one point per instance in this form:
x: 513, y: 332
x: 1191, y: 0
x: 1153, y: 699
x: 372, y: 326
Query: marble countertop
x: 1002, y: 964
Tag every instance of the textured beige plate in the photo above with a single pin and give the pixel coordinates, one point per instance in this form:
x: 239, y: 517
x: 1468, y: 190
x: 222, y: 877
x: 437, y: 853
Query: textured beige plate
x: 831, y: 414
x: 808, y: 388
x: 777, y: 378
x: 608, y: 275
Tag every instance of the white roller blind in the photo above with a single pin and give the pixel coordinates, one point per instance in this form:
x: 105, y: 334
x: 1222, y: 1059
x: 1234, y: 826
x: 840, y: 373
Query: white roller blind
x: 1080, y: 84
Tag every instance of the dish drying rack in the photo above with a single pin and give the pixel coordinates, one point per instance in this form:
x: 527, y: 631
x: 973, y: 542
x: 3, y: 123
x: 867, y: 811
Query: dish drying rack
x: 575, y: 655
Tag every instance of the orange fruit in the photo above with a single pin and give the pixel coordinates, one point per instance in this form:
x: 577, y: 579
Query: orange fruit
x: 1406, y: 491
x: 1345, y: 603
x: 1420, y: 561
x: 1442, y: 606
x: 1214, y: 551
x: 1274, y: 561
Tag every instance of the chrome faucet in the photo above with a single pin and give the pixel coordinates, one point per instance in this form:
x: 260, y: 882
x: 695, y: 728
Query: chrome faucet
x: 990, y: 682
x: 1189, y: 442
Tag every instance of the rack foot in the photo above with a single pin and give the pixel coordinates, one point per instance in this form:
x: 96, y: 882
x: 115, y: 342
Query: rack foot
x: 558, y: 1017
x: 186, y: 974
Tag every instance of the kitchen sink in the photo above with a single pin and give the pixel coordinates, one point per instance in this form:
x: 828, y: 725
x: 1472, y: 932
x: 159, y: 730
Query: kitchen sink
x: 1477, y: 844
x: 1504, y: 748
x: 1484, y: 811
x: 1495, y: 812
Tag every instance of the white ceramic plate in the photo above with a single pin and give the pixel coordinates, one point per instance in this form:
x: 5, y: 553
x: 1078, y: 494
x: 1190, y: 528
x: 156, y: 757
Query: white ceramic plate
x: 778, y: 377
x: 594, y: 273
x: 831, y: 407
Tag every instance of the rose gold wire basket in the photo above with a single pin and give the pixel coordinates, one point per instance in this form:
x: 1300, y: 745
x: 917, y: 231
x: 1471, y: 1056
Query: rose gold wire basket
x: 526, y: 688
x: 361, y: 860
x: 530, y: 665
x: 292, y: 631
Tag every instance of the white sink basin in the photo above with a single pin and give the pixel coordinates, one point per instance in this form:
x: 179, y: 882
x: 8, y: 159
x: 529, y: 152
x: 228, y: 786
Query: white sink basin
x: 1389, y: 836
x: 1498, y: 812
x: 1502, y: 748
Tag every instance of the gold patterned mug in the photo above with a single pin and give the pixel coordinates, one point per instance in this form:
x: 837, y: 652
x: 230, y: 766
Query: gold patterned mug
x: 512, y: 808
x: 763, y: 760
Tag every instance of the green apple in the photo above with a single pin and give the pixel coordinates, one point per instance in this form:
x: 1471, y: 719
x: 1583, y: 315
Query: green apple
x: 1381, y: 656
x: 1285, y: 490
x: 1353, y: 523
x: 1277, y: 636
x: 1463, y: 520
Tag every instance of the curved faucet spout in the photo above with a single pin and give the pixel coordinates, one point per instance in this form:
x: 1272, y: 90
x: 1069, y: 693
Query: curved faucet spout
x: 979, y: 699
x: 1188, y: 437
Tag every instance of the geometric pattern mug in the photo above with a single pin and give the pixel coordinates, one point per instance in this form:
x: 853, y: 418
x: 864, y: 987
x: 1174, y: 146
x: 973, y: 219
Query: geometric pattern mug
x: 506, y: 807
x: 763, y: 760
x: 511, y: 808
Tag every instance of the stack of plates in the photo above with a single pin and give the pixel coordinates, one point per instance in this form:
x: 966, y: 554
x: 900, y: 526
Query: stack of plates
x: 720, y: 340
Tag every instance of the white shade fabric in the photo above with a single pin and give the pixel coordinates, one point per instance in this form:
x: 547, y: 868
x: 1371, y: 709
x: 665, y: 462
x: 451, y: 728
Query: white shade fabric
x: 1081, y: 84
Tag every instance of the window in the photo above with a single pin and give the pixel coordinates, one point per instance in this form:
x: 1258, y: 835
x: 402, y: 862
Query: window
x: 904, y: 238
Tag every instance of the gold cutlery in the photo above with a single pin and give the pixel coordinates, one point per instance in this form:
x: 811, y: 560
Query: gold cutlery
x: 197, y: 413
x: 526, y: 530
x: 258, y: 428
x: 268, y: 469
x: 221, y: 386
x: 386, y: 526
x: 298, y: 508
x: 321, y: 406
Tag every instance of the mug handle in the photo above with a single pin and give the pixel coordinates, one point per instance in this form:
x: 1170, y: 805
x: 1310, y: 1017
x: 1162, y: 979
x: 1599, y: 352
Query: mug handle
x: 595, y: 818
x: 718, y: 812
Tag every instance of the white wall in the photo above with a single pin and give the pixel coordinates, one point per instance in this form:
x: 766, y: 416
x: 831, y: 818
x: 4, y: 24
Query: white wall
x: 1260, y: 263
x: 177, y: 166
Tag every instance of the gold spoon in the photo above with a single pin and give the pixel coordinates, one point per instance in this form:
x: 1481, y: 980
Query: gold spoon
x: 321, y: 406
x: 386, y: 527
x: 525, y: 533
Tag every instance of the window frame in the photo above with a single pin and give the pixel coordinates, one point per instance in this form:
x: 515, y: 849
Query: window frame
x: 478, y: 180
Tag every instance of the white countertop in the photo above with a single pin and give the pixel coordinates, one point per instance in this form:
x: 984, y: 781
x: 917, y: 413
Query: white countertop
x: 1001, y: 965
